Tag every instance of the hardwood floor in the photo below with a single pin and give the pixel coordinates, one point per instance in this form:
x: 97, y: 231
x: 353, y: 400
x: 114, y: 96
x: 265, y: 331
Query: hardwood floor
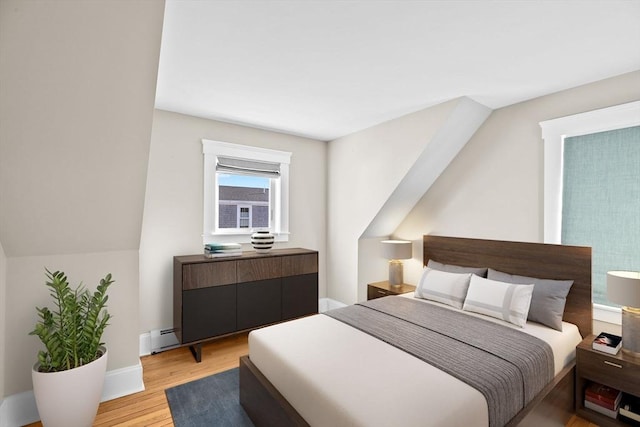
x: 165, y: 370
x: 174, y: 367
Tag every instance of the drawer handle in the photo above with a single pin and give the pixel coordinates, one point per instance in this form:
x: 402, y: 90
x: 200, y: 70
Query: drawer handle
x: 613, y: 364
x: 381, y: 292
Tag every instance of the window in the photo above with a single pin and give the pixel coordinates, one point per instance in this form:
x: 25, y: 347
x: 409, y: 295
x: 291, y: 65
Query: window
x: 244, y: 216
x: 592, y: 180
x: 601, y: 201
x: 245, y: 188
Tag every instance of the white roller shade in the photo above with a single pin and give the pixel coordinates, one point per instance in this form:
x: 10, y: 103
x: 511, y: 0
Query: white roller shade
x: 247, y: 167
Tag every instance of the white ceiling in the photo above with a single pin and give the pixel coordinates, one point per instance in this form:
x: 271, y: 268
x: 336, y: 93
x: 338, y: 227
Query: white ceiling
x: 325, y: 69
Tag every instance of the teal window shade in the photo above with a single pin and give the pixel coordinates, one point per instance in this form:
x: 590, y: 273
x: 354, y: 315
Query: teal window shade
x: 601, y: 201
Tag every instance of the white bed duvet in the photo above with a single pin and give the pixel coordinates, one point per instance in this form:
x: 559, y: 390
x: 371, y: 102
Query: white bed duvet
x: 335, y: 375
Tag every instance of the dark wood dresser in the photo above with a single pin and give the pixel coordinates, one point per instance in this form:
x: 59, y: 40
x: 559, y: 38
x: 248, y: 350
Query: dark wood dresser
x: 213, y: 297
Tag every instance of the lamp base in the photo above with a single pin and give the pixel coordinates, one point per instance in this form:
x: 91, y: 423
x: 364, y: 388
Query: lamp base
x: 395, y: 273
x: 631, y: 331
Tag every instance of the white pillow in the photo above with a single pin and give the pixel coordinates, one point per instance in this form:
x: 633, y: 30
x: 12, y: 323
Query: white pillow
x: 441, y: 286
x: 501, y: 300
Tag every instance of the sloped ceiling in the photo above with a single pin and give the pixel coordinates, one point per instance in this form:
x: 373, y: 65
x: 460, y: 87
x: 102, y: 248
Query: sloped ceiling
x: 77, y: 88
x: 451, y: 137
x: 325, y: 69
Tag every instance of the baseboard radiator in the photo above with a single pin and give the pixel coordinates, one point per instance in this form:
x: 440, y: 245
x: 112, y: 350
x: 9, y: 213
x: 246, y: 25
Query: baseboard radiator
x: 163, y: 340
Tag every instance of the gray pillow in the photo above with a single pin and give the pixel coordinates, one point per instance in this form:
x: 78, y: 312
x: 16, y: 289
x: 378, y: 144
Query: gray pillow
x: 548, y: 299
x: 450, y: 268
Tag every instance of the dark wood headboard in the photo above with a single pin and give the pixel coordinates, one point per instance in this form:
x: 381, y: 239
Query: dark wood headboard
x: 539, y: 260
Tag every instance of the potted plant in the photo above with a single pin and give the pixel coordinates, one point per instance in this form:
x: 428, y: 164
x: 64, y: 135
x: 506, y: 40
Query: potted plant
x: 69, y: 374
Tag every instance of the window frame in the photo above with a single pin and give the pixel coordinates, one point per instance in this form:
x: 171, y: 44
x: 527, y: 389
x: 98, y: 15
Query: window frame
x: 279, y: 191
x: 553, y: 134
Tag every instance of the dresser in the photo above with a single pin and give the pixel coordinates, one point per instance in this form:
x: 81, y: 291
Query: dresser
x: 214, y: 297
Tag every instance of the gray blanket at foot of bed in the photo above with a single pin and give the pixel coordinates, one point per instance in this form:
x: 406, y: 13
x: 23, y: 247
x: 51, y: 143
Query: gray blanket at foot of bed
x: 507, y: 366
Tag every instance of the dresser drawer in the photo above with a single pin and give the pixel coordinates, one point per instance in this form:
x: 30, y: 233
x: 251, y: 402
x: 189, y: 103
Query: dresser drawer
x: 296, y: 265
x: 255, y: 269
x: 611, y: 370
x: 204, y: 275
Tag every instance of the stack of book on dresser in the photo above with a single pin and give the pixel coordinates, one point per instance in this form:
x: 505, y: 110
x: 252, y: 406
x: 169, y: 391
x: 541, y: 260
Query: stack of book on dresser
x: 215, y: 250
x: 602, y: 399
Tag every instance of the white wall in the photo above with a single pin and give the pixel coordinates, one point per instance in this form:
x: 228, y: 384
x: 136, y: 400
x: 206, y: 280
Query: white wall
x: 366, y: 169
x: 76, y: 100
x: 26, y: 291
x: 3, y: 320
x: 173, y: 213
x: 494, y: 187
x: 77, y: 88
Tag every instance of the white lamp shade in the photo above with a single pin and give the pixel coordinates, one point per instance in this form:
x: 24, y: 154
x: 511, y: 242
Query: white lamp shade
x: 396, y: 249
x: 623, y: 287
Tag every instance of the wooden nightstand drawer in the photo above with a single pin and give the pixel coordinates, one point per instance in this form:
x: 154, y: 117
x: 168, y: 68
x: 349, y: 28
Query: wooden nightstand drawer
x: 609, y: 369
x: 619, y: 371
x: 383, y: 289
x: 373, y: 292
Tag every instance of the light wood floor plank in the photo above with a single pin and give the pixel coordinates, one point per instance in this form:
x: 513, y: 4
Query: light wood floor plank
x: 149, y: 408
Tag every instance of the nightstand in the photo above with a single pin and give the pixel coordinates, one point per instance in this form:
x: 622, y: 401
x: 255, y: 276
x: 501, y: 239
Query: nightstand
x: 619, y: 371
x: 383, y: 289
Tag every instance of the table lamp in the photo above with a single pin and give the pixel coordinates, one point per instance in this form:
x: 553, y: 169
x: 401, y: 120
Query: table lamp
x: 623, y: 287
x: 395, y: 251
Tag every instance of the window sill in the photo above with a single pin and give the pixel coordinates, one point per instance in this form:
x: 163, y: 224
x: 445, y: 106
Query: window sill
x: 239, y: 238
x: 605, y: 313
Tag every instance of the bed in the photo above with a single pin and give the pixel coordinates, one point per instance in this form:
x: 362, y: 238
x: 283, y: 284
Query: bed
x: 320, y: 370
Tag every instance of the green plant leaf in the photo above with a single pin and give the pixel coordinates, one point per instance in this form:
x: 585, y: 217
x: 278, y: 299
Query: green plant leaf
x: 72, y: 330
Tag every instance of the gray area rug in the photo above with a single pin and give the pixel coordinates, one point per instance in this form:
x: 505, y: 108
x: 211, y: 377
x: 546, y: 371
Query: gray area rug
x: 209, y: 401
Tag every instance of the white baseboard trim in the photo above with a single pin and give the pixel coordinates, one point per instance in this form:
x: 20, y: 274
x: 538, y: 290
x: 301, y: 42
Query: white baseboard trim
x: 325, y: 304
x: 122, y: 382
x: 145, y: 344
x: 20, y: 409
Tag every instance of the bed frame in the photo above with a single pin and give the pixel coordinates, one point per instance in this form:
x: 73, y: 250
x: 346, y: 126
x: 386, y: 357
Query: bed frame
x: 553, y: 406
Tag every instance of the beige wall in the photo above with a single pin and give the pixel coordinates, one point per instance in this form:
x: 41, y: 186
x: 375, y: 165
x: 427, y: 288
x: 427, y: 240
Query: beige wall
x: 3, y: 319
x: 77, y: 88
x: 376, y: 177
x: 599, y: 326
x: 76, y: 101
x: 173, y: 213
x: 364, y: 170
x: 26, y: 276
x: 494, y: 187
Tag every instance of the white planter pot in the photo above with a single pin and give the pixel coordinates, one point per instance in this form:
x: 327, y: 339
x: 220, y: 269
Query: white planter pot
x: 69, y: 398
